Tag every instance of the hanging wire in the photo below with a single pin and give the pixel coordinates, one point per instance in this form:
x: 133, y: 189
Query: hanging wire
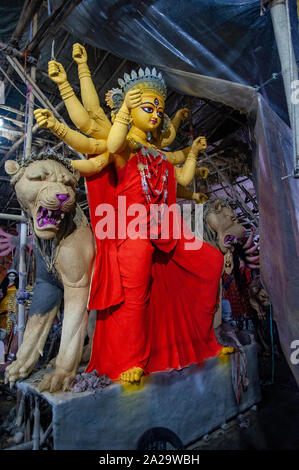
x: 274, y: 76
x: 11, y: 82
x: 25, y: 126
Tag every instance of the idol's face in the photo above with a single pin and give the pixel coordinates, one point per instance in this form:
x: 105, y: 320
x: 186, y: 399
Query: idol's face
x: 149, y: 114
x: 12, y: 277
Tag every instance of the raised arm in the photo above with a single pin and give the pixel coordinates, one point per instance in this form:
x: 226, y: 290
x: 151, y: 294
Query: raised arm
x: 179, y: 156
x: 185, y: 174
x: 188, y: 194
x: 179, y: 116
x: 77, y: 113
x: 116, y: 141
x: 93, y: 165
x: 89, y: 94
x: 77, y: 141
x: 163, y: 139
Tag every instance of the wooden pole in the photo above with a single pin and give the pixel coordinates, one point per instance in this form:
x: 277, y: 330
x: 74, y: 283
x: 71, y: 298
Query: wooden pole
x: 23, y: 229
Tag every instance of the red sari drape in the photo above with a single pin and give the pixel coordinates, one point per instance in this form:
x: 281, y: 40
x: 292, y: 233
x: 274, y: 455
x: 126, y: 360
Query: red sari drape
x: 156, y: 299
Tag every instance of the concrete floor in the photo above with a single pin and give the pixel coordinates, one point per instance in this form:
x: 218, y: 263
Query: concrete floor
x: 275, y: 423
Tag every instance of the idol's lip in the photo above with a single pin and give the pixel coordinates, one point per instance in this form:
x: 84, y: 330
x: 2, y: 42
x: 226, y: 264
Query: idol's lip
x: 154, y: 121
x: 48, y: 218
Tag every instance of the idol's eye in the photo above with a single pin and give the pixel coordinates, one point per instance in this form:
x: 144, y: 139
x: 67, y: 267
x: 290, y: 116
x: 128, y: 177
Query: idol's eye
x: 160, y: 114
x: 147, y: 109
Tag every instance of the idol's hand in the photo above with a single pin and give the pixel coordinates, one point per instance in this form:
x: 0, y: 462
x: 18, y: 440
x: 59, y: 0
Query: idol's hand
x: 133, y: 98
x: 44, y: 118
x: 56, y: 72
x: 199, y: 145
x: 200, y: 198
x: 202, y: 172
x: 79, y: 54
x: 182, y: 114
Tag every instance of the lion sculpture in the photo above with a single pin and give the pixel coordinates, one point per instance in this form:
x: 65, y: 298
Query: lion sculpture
x: 223, y: 230
x: 45, y: 186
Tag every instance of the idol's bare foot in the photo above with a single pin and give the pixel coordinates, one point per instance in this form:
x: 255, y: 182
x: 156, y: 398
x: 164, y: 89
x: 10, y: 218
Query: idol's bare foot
x: 132, y: 375
x: 225, y: 351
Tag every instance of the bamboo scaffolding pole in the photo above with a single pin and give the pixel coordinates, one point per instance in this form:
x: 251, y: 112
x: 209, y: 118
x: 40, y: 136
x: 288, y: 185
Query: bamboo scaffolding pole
x: 19, y: 142
x: 23, y: 228
x: 18, y: 218
x: 11, y: 110
x: 35, y: 128
x: 36, y: 91
x: 29, y: 10
x: 14, y: 121
x: 6, y: 49
x: 235, y: 193
x: 29, y: 445
x: 36, y: 426
x: 20, y: 415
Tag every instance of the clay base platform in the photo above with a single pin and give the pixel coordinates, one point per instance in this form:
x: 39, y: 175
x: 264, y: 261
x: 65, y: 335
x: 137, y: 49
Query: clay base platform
x: 191, y: 403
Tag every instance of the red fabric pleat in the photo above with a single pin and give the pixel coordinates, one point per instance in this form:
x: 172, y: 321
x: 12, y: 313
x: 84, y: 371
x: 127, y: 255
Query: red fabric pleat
x: 106, y: 288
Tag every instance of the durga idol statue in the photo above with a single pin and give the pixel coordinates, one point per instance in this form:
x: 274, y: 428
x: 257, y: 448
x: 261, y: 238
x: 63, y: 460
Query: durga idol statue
x: 156, y: 299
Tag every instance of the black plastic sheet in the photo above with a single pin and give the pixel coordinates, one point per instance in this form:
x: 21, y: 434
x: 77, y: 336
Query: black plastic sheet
x: 232, y: 40
x: 277, y: 193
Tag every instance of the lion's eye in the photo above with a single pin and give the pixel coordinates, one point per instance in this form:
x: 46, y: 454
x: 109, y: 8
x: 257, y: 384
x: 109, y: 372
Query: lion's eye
x: 36, y: 176
x: 69, y: 181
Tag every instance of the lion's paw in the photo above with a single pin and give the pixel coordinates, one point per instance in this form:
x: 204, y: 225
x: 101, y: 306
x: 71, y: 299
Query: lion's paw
x: 16, y: 371
x: 56, y: 382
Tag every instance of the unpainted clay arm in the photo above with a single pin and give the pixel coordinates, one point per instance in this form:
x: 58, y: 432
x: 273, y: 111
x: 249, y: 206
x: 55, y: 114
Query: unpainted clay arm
x: 190, y: 195
x: 117, y: 136
x: 76, y: 140
x: 93, y: 165
x: 89, y: 93
x: 179, y: 156
x: 76, y: 111
x: 185, y: 174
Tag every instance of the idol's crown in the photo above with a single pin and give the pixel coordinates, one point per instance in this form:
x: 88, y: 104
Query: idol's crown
x: 145, y: 79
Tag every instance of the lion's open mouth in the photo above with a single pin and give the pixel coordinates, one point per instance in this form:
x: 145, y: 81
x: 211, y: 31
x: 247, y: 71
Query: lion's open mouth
x: 229, y: 240
x: 46, y: 217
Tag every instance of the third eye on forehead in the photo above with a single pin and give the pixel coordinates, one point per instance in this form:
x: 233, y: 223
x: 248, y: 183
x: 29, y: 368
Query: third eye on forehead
x: 150, y: 103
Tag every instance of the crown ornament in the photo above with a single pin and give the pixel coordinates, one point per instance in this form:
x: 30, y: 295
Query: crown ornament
x: 145, y: 79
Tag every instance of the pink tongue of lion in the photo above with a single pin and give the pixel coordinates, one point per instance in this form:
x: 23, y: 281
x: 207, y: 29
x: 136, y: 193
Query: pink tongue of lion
x: 228, y: 239
x: 45, y: 219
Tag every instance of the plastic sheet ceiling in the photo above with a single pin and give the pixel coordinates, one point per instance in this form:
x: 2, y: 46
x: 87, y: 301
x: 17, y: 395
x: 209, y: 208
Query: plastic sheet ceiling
x: 231, y: 40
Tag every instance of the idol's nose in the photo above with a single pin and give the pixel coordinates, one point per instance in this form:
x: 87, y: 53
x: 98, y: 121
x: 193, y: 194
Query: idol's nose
x: 62, y: 198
